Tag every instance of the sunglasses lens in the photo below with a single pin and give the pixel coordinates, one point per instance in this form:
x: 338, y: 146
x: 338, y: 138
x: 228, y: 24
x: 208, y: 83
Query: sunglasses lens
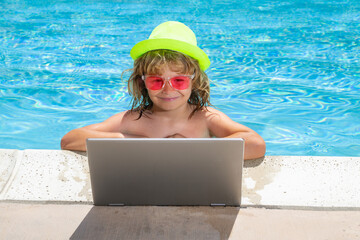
x: 180, y: 82
x: 154, y: 83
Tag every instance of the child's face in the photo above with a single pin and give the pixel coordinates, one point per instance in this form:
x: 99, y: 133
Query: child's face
x: 169, y: 98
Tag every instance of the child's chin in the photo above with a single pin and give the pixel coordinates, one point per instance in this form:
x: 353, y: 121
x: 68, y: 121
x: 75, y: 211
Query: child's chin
x: 168, y: 106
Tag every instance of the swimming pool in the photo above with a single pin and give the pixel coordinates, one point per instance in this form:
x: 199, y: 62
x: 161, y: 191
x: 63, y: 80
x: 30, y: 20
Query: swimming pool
x: 288, y: 69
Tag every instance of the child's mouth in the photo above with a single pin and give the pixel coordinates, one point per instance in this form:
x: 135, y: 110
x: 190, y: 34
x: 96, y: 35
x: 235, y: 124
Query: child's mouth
x: 168, y: 99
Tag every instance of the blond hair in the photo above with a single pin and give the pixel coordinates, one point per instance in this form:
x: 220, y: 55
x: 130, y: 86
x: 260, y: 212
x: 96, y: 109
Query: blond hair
x: 151, y: 63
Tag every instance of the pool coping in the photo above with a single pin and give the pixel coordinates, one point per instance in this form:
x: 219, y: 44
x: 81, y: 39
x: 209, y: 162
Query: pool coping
x: 291, y: 182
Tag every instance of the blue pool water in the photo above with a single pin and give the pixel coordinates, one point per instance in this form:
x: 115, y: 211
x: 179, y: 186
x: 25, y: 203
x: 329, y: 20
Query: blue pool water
x: 288, y: 69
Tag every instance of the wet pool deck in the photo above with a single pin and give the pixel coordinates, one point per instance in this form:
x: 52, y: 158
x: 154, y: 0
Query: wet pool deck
x: 46, y: 194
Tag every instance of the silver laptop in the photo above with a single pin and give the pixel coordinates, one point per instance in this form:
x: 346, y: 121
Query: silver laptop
x: 163, y: 171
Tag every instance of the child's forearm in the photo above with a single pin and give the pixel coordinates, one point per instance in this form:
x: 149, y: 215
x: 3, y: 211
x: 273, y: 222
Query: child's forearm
x: 255, y: 146
x: 76, y: 139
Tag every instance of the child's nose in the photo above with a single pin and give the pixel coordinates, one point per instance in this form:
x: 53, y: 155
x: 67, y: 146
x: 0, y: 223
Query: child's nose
x: 167, y: 87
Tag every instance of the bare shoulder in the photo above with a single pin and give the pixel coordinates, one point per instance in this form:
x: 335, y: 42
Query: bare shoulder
x: 117, y: 117
x: 122, y: 119
x: 125, y: 115
x: 213, y: 114
x: 113, y: 123
x: 209, y: 115
x: 221, y: 125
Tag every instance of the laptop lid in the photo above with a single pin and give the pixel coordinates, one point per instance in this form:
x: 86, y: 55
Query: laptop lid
x: 165, y: 171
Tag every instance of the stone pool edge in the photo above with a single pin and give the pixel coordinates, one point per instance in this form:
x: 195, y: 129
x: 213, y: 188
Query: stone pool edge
x: 292, y: 182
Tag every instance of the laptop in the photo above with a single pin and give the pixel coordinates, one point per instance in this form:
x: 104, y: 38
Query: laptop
x: 166, y: 171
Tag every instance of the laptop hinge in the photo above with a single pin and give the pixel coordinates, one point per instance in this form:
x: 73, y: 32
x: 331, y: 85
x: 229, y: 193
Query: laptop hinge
x: 116, y: 204
x: 218, y: 204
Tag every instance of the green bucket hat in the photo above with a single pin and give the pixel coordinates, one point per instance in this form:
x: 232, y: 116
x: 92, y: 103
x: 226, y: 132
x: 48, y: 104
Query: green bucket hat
x: 174, y: 36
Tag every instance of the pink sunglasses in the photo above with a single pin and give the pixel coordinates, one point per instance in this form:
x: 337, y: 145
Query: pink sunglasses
x: 180, y: 82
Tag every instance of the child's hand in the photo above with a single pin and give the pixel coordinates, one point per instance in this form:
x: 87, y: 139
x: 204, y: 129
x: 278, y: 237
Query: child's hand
x: 176, y: 135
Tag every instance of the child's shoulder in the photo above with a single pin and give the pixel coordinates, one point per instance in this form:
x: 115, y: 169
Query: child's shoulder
x: 214, y: 115
x: 208, y: 113
x: 211, y: 111
x: 128, y: 114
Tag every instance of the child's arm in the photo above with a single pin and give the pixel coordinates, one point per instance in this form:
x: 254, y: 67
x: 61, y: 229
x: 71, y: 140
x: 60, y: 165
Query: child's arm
x: 76, y: 139
x: 220, y: 125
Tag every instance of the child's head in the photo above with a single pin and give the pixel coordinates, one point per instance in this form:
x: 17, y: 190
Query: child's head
x: 151, y: 63
x: 171, y: 44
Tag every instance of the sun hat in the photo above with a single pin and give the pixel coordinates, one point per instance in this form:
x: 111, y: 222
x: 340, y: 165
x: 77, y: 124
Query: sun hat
x: 174, y: 36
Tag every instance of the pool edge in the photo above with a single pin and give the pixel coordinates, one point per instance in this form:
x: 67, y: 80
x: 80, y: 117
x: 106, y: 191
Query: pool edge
x: 292, y: 182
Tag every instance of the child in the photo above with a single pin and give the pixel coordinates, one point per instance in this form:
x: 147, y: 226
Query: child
x: 170, y: 97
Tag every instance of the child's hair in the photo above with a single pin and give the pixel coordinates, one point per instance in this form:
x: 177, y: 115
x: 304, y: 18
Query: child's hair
x: 151, y: 63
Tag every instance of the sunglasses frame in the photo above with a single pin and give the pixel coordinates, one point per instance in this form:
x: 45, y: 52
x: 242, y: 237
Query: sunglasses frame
x: 165, y: 80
